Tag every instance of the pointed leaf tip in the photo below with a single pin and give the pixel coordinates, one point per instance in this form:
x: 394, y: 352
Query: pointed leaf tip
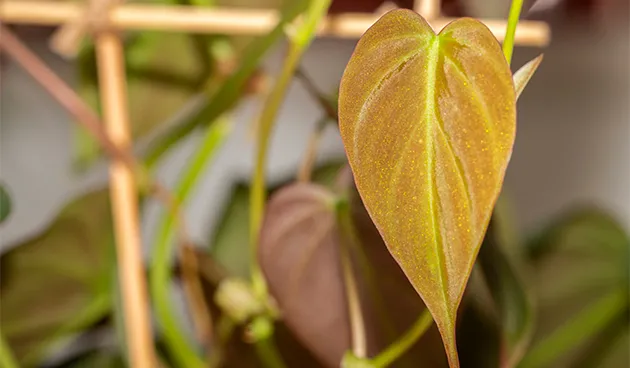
x: 524, y: 74
x: 428, y: 124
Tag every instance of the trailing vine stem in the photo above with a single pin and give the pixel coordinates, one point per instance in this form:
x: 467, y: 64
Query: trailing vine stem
x: 508, y: 41
x: 160, y: 275
x: 300, y: 34
x: 348, y: 241
x: 405, y: 342
x: 7, y: 359
x: 306, y: 166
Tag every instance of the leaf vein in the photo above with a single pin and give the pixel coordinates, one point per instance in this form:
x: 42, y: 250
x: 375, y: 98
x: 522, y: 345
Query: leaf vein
x: 458, y: 164
x: 481, y: 103
x: 370, y: 97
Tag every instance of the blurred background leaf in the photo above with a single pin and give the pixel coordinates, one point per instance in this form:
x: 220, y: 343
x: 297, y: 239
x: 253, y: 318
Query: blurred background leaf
x: 581, y: 269
x: 508, y: 292
x: 230, y: 241
x: 299, y: 256
x: 58, y: 283
x: 5, y: 203
x: 96, y: 359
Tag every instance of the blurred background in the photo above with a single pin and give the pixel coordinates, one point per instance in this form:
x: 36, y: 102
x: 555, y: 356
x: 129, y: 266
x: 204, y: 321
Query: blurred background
x: 571, y: 153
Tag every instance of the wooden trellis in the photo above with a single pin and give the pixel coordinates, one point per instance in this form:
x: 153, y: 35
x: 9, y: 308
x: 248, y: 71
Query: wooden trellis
x: 103, y: 18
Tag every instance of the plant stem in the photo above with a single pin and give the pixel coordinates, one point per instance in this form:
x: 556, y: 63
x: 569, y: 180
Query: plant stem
x: 99, y: 306
x: 165, y: 77
x: 578, y: 329
x: 224, y: 331
x: 357, y: 327
x: 299, y: 39
x: 306, y: 168
x: 160, y: 275
x: 325, y: 103
x: 366, y: 271
x: 508, y: 42
x: 405, y: 342
x: 257, y: 193
x: 599, y: 350
x: 268, y: 352
x: 7, y: 359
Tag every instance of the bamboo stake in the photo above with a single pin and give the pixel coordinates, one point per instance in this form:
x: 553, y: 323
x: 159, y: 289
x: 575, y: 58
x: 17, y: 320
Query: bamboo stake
x: 429, y: 9
x: 67, y: 40
x: 179, y: 18
x: 124, y: 203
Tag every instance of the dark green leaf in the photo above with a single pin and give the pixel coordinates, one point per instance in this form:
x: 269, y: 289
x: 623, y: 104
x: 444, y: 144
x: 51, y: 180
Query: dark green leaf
x: 590, y: 321
x: 230, y: 243
x: 5, y: 204
x: 510, y: 295
x: 581, y: 272
x: 59, y: 282
x: 588, y: 229
x: 96, y: 359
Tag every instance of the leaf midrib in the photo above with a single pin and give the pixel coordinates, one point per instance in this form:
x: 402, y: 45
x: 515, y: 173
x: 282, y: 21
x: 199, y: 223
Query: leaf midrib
x: 433, y: 59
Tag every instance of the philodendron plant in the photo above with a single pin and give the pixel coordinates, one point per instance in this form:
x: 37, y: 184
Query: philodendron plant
x: 428, y: 122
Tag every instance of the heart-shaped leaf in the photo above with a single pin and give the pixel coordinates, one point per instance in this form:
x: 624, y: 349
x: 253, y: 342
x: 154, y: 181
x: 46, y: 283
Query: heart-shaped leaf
x: 299, y: 237
x: 229, y: 241
x: 428, y: 123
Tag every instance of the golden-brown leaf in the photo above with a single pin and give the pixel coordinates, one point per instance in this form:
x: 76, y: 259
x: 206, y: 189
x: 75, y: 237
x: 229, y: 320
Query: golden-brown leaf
x: 428, y: 123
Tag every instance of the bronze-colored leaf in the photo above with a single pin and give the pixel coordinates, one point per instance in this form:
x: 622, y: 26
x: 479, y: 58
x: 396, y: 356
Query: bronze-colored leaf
x: 428, y: 123
x: 229, y: 243
x: 299, y: 256
x: 60, y: 281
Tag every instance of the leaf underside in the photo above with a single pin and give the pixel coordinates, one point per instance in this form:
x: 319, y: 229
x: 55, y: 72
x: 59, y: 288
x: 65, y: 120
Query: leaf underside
x: 428, y: 123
